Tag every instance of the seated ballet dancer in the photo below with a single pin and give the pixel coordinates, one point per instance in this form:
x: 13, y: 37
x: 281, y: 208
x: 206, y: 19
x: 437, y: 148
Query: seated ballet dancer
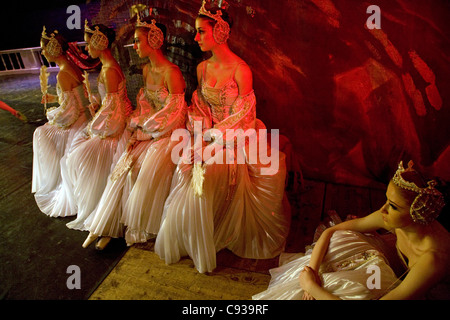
x: 337, y: 267
x: 53, y: 140
x: 217, y: 202
x: 139, y: 184
x: 94, y: 151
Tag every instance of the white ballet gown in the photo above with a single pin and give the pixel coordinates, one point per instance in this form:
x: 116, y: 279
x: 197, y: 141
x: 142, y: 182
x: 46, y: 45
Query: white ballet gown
x: 93, y: 153
x: 238, y: 206
x: 348, y: 271
x: 51, y: 143
x: 139, y: 183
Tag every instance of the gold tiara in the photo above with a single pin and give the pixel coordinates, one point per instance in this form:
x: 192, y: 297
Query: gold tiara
x: 155, y: 36
x: 53, y: 46
x: 98, y: 39
x: 217, y: 16
x: 221, y: 30
x: 429, y: 201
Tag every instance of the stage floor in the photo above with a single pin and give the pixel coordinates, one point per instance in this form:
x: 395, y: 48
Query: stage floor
x: 142, y: 275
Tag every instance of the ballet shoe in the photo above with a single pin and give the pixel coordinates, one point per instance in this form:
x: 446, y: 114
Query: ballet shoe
x: 91, y: 238
x: 102, y: 243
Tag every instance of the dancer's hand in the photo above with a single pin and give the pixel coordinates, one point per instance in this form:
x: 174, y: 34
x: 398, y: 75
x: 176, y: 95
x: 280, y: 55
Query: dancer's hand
x: 307, y: 296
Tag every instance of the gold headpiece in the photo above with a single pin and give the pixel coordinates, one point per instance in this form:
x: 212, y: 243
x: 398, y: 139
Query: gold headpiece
x: 98, y: 39
x: 53, y: 46
x: 155, y: 36
x: 429, y: 201
x: 221, y: 30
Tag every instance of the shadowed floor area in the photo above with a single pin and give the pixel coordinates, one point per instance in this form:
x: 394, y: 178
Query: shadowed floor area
x: 35, y: 250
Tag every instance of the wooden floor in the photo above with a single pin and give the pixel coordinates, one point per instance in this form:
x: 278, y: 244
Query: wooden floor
x: 141, y: 275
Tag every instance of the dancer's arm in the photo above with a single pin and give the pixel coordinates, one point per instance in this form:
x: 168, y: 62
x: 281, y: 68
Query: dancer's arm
x: 309, y: 277
x: 175, y: 81
x: 369, y: 223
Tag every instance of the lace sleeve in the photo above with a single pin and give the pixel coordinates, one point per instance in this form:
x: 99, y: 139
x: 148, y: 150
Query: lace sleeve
x: 109, y: 121
x: 68, y: 111
x: 172, y: 116
x: 143, y: 109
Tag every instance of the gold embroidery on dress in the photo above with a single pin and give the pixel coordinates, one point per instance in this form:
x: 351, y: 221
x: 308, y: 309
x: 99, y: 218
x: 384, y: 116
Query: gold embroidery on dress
x: 122, y: 166
x: 62, y: 100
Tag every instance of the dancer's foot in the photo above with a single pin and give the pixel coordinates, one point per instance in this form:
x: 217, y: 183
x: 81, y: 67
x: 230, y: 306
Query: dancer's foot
x: 91, y: 238
x: 102, y: 243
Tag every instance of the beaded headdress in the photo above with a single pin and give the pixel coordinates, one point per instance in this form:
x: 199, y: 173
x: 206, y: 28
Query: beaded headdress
x: 53, y: 46
x: 429, y: 201
x: 221, y: 30
x: 155, y: 36
x: 98, y: 39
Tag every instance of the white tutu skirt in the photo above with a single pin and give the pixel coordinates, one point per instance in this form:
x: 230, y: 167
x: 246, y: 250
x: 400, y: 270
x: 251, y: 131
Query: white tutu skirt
x: 145, y: 204
x: 239, y: 209
x: 88, y: 167
x: 345, y: 270
x: 50, y: 145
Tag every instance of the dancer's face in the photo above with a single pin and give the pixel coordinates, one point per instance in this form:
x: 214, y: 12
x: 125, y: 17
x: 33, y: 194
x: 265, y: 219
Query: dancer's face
x: 94, y: 53
x: 396, y: 209
x: 141, y: 44
x: 204, y: 35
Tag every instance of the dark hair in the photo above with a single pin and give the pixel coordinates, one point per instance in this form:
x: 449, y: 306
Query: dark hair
x: 159, y: 25
x: 225, y: 16
x: 108, y: 32
x: 61, y: 40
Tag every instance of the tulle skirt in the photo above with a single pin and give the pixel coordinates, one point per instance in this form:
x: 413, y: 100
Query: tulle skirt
x: 88, y: 166
x: 50, y: 145
x: 346, y: 270
x: 240, y: 209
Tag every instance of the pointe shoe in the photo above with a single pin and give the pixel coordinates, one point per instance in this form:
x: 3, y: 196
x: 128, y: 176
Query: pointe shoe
x: 91, y: 238
x: 102, y: 243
